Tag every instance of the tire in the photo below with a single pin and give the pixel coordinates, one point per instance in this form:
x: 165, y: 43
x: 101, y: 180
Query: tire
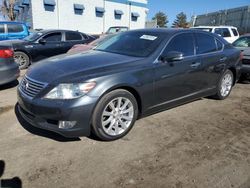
x: 110, y: 122
x: 225, y: 85
x: 22, y: 59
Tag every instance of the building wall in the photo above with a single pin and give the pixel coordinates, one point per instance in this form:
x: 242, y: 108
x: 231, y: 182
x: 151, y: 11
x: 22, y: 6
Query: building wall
x: 238, y: 17
x: 64, y: 17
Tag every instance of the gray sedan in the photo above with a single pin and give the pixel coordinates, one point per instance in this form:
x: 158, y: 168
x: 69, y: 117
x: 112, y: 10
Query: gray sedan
x: 9, y: 70
x: 243, y: 44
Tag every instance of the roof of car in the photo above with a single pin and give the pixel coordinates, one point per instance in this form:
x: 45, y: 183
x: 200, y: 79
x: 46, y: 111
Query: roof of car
x: 219, y: 26
x: 163, y: 30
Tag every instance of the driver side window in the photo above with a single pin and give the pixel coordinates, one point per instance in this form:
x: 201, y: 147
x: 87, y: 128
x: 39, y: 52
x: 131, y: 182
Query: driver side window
x: 53, y: 37
x: 183, y: 43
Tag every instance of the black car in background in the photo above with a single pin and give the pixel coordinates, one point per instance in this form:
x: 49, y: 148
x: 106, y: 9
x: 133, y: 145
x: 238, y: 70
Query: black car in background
x: 9, y: 70
x: 44, y: 44
x: 131, y: 75
x: 243, y: 44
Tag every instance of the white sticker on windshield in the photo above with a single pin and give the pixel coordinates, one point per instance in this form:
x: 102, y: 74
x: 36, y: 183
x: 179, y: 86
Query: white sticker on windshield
x: 148, y: 37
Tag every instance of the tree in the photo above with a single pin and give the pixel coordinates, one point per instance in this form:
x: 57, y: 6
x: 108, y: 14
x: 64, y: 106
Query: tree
x: 7, y: 9
x: 180, y: 21
x: 162, y: 19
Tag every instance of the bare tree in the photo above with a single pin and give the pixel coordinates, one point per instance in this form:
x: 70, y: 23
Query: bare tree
x: 7, y: 9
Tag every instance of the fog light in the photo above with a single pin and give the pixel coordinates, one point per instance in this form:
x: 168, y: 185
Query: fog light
x: 66, y: 124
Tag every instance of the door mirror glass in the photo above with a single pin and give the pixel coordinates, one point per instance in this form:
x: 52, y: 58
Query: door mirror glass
x: 172, y: 56
x: 42, y: 41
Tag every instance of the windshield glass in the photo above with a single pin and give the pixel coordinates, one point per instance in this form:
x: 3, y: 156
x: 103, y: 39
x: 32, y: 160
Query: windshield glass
x: 139, y: 44
x: 242, y: 42
x: 33, y: 36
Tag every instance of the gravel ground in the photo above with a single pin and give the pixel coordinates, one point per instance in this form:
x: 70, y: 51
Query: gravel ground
x: 202, y: 144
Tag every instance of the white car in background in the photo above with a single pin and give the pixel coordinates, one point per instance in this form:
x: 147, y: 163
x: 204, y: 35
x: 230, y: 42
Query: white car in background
x: 229, y: 33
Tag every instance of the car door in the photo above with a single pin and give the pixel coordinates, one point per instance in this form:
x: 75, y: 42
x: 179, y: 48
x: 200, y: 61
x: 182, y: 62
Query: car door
x: 179, y: 79
x: 48, y: 45
x: 72, y: 38
x: 213, y: 59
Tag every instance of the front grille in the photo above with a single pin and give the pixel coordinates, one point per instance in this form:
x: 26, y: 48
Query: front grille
x: 31, y: 87
x: 246, y: 61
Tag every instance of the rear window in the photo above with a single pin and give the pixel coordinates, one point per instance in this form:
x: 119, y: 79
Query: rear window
x: 14, y: 28
x: 73, y: 36
x: 205, y: 43
x: 2, y: 28
x: 235, y: 32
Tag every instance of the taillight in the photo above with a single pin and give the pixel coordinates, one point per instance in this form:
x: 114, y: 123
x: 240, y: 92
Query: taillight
x: 241, y: 56
x: 6, y: 53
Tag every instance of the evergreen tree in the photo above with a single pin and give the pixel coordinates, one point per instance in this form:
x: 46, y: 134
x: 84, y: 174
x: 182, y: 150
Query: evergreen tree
x: 180, y: 21
x: 162, y: 19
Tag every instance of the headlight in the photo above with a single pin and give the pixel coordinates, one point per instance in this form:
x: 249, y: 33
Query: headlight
x: 70, y: 91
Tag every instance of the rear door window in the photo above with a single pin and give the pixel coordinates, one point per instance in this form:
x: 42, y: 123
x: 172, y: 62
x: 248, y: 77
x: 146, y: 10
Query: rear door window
x: 224, y: 32
x: 183, y: 43
x: 205, y: 43
x: 72, y: 36
x: 53, y: 37
x: 15, y: 28
x: 2, y: 31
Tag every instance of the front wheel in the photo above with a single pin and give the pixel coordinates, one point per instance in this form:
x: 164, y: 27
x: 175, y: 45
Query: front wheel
x: 114, y: 115
x: 225, y: 85
x: 22, y: 59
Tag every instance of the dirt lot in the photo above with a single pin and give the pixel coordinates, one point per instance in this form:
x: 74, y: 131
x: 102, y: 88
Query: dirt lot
x: 204, y: 144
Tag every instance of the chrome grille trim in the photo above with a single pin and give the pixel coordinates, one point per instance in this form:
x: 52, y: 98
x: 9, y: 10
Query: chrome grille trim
x: 31, y: 87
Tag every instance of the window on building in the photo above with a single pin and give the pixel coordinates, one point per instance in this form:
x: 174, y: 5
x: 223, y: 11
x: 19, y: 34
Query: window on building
x: 2, y: 28
x: 73, y: 36
x: 135, y: 16
x: 177, y: 44
x: 205, y: 43
x: 53, y: 37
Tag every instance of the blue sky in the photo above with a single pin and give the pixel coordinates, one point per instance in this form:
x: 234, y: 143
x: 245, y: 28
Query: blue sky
x: 190, y: 7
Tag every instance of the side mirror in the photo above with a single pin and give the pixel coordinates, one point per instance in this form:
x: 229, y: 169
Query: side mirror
x: 172, y: 56
x: 42, y: 41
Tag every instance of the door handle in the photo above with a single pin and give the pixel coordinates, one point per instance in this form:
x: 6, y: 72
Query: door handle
x: 195, y: 65
x: 223, y: 59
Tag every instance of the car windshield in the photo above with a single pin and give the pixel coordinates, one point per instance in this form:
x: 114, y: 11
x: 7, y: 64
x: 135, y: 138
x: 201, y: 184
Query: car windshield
x: 242, y: 42
x: 204, y: 29
x: 33, y: 36
x: 100, y: 40
x: 139, y: 44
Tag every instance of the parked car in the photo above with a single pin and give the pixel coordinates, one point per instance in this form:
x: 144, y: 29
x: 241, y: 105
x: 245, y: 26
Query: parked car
x: 131, y: 75
x: 13, y: 30
x: 9, y: 70
x: 243, y: 43
x: 44, y: 44
x: 229, y: 33
x: 116, y: 29
x: 85, y: 47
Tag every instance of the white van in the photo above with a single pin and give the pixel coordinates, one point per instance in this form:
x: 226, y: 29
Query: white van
x: 229, y: 33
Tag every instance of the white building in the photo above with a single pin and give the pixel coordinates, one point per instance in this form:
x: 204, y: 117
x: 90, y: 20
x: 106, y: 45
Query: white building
x: 89, y: 16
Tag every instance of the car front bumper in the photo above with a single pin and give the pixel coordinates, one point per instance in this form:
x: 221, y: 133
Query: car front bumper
x: 46, y: 114
x: 245, y: 70
x: 9, y: 73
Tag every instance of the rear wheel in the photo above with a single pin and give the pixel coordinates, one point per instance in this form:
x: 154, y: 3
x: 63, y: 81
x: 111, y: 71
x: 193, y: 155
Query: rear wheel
x: 225, y: 85
x: 21, y: 59
x: 114, y: 115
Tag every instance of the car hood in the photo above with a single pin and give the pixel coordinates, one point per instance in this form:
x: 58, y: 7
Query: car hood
x: 245, y: 50
x: 81, y: 66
